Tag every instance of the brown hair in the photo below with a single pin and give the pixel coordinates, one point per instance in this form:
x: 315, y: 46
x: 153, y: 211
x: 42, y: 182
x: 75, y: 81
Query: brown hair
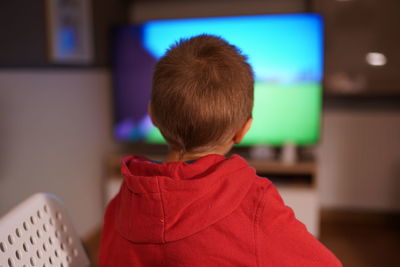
x: 202, y: 93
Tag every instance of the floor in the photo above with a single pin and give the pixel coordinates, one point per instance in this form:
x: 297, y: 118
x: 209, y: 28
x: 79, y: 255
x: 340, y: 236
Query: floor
x: 365, y: 241
x: 358, y: 239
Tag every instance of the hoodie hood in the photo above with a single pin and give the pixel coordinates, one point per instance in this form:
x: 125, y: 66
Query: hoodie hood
x: 165, y: 202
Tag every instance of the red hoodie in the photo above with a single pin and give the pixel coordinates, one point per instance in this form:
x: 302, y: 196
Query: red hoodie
x: 212, y: 212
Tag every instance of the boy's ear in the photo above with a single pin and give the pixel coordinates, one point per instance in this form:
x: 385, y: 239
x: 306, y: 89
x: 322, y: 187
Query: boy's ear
x: 238, y: 137
x: 151, y: 114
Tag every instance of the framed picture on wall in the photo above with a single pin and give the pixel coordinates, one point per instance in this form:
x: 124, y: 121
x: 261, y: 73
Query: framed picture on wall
x: 69, y: 32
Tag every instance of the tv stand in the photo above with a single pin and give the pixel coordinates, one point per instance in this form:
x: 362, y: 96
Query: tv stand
x: 296, y: 182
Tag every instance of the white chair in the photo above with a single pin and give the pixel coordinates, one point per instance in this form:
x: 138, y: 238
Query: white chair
x: 38, y: 232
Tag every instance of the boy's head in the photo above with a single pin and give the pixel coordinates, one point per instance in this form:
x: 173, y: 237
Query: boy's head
x: 202, y: 93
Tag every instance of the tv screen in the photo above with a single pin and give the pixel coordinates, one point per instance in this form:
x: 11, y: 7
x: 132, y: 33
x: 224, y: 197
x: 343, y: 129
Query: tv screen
x: 285, y: 51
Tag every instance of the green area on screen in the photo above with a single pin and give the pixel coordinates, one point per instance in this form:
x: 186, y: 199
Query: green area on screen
x: 282, y: 113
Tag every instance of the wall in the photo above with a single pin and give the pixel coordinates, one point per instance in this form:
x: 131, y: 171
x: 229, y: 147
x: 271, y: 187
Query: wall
x: 24, y: 36
x: 55, y: 120
x: 144, y: 10
x: 359, y: 159
x: 54, y: 131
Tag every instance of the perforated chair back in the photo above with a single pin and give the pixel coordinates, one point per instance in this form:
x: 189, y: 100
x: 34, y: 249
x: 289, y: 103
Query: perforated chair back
x: 38, y: 232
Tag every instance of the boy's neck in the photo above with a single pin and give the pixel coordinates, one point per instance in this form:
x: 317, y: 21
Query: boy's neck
x: 174, y: 155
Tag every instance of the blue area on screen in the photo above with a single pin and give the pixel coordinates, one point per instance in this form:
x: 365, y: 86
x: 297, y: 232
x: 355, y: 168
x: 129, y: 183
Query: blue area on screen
x: 280, y: 48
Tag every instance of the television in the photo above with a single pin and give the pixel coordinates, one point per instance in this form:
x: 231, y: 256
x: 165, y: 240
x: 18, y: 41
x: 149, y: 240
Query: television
x: 285, y: 51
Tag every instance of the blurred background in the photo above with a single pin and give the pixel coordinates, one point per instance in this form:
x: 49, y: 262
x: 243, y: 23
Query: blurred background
x: 56, y: 112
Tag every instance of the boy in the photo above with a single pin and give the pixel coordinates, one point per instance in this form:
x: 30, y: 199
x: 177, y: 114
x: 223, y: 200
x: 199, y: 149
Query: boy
x: 199, y: 208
